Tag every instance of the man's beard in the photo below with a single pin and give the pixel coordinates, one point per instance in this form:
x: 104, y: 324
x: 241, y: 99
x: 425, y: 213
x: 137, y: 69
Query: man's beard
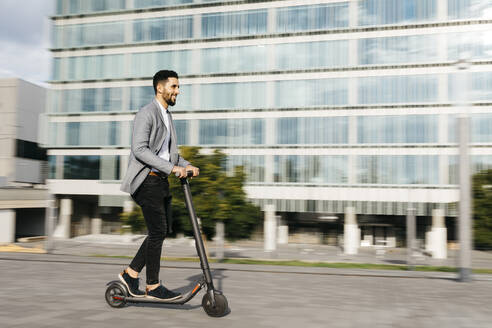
x: 170, y: 101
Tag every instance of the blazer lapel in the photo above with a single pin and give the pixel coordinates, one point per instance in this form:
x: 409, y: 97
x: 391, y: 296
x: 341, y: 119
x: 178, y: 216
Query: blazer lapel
x: 160, y: 132
x: 157, y: 108
x: 173, y: 149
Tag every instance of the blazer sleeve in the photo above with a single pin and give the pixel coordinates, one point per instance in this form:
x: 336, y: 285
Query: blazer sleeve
x: 142, y: 127
x: 182, y: 162
x: 174, y: 146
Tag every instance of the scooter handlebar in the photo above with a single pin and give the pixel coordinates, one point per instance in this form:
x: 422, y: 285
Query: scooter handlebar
x: 189, y: 174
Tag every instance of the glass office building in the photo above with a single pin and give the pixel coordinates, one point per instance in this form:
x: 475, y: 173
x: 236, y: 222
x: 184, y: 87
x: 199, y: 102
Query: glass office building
x: 327, y: 104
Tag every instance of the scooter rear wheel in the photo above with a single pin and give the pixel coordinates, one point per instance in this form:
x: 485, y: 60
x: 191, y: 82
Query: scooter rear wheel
x: 115, y: 296
x: 221, y: 306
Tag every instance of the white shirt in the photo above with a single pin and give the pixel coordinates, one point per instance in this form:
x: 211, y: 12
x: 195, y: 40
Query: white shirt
x: 164, y: 151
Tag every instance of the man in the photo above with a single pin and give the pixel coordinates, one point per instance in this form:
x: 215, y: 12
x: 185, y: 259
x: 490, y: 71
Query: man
x: 154, y: 156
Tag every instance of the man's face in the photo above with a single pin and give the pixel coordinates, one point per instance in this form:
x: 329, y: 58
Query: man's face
x: 168, y: 90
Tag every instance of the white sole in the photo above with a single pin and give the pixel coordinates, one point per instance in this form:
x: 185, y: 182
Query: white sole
x: 127, y: 287
x: 163, y: 299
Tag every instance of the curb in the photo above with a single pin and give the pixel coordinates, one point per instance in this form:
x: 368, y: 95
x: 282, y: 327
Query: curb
x: 11, y: 248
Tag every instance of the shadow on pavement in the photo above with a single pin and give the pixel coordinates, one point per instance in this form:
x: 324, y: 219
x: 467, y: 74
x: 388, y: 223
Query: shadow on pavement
x: 396, y: 261
x: 229, y: 254
x: 217, y: 275
x: 165, y: 306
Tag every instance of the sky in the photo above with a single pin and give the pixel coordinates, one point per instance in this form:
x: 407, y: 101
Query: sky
x: 25, y: 33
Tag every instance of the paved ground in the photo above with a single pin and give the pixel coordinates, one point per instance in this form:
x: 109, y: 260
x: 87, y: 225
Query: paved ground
x: 41, y: 290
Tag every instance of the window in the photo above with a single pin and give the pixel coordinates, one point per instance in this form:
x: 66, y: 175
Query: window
x: 397, y: 129
x: 30, y: 150
x: 167, y: 28
x: 478, y: 84
x: 312, y: 130
x: 476, y: 45
x: 249, y: 22
x: 160, y: 3
x: 382, y: 12
x: 398, y: 89
x: 317, y: 169
x: 232, y: 95
x: 398, y: 169
x: 234, y: 59
x: 398, y: 49
x: 81, y: 167
x: 460, y: 9
x: 87, y: 134
x: 305, y: 55
x: 315, y: 17
x: 231, y: 132
x: 253, y: 166
x: 305, y: 93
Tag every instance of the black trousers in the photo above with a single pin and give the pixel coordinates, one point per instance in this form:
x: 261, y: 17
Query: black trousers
x: 153, y: 197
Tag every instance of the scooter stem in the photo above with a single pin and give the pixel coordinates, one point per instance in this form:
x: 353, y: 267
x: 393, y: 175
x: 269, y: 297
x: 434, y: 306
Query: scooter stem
x: 198, y: 238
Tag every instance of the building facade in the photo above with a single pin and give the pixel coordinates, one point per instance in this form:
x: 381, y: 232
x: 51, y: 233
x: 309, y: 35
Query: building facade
x: 329, y: 105
x: 23, y: 164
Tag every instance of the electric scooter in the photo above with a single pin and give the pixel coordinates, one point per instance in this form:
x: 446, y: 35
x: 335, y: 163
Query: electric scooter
x: 213, y: 302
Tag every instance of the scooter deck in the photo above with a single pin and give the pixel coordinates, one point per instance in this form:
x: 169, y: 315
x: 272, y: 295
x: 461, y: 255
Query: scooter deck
x: 180, y: 300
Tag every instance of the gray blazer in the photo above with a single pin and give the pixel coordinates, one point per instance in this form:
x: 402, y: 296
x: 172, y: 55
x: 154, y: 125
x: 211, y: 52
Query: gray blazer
x: 148, y: 135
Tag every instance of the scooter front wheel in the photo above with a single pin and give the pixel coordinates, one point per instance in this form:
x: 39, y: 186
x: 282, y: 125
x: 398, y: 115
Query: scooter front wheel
x: 115, y: 296
x: 221, y: 307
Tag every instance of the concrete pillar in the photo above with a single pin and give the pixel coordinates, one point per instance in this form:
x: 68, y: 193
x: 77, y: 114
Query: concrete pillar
x: 282, y: 232
x: 352, y: 159
x: 219, y: 240
x: 438, y: 235
x: 351, y: 232
x: 107, y: 169
x: 127, y: 206
x: 465, y: 210
x: 442, y: 10
x: 428, y: 240
x: 270, y: 131
x: 197, y: 26
x: 283, y: 235
x: 391, y: 239
x: 64, y: 220
x: 353, y: 13
x: 96, y: 225
x: 411, y: 232
x: 271, y: 20
x: 123, y: 166
x: 193, y: 132
x: 269, y: 168
x: 128, y: 37
x: 196, y: 55
x: 270, y: 229
x: 85, y: 225
x: 59, y: 167
x: 7, y: 226
x: 49, y: 223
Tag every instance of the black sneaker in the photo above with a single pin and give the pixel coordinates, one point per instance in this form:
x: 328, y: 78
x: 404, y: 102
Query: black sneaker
x: 131, y: 284
x: 162, y: 293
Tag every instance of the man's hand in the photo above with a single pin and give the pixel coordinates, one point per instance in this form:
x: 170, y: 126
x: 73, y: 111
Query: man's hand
x: 179, y: 171
x: 195, y: 170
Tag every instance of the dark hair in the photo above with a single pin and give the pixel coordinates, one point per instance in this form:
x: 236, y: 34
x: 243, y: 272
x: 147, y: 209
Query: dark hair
x: 163, y: 75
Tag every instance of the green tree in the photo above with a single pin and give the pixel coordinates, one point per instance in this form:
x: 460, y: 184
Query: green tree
x: 134, y: 219
x: 216, y: 197
x: 482, y: 209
